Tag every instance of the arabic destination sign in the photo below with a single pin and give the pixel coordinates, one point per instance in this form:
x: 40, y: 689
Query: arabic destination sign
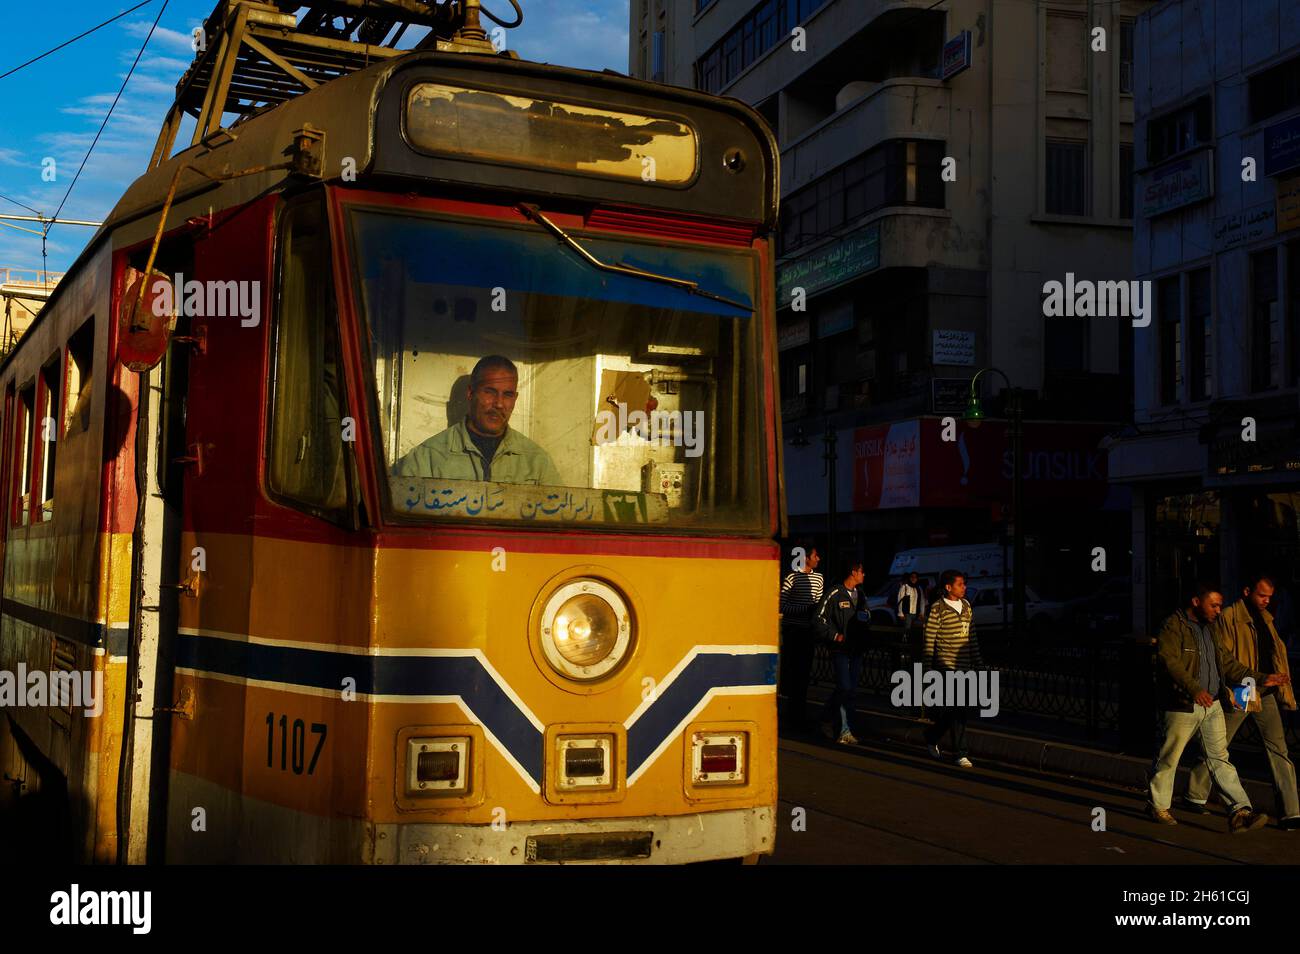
x: 1282, y: 146
x: 956, y: 55
x: 842, y: 261
x: 1177, y: 184
x: 1240, y: 228
x: 495, y: 501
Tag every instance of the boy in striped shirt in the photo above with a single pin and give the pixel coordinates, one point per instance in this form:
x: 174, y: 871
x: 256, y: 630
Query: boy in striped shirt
x: 950, y: 644
x: 801, y: 591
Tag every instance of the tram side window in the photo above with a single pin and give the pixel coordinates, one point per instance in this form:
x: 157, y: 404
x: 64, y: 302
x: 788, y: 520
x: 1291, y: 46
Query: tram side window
x: 81, y: 361
x: 51, y: 394
x: 307, y: 463
x: 25, y: 434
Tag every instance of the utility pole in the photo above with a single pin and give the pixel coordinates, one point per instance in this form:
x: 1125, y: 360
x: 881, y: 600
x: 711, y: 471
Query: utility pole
x: 974, y: 415
x: 830, y: 439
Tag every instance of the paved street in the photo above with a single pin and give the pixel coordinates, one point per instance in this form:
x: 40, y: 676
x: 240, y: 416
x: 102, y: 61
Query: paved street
x: 880, y: 804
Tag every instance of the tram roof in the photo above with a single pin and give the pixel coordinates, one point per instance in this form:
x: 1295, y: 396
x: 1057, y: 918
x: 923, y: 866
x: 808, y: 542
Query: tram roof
x: 379, y: 148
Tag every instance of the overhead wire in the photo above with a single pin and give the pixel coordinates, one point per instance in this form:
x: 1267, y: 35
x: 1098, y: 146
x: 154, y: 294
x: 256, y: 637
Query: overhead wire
x: 23, y: 205
x: 34, y: 59
x: 109, y: 114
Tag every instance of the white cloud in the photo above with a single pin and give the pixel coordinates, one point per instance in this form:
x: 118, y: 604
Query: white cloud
x: 162, y: 38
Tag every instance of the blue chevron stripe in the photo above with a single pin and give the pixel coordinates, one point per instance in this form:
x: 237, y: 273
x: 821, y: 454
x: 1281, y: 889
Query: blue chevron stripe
x: 468, y: 678
x: 705, y: 672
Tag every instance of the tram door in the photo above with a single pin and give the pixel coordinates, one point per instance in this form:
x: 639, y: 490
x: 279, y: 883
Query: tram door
x: 159, y: 573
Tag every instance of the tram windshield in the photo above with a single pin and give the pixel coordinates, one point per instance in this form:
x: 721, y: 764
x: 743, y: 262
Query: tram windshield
x: 517, y: 381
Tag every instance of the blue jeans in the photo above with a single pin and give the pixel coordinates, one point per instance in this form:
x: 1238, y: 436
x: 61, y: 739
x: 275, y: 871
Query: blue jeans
x: 1209, y: 727
x: 1269, y: 723
x: 848, y: 670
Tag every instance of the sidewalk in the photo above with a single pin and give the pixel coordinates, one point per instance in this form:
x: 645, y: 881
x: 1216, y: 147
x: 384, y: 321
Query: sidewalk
x: 1046, y: 746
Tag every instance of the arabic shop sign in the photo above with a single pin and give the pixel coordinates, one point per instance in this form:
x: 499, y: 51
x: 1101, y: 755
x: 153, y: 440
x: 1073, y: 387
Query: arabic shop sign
x: 792, y: 335
x: 1288, y: 204
x: 956, y: 55
x: 1282, y: 146
x: 953, y: 347
x: 835, y: 264
x: 1241, y: 228
x: 1176, y: 184
x: 950, y: 395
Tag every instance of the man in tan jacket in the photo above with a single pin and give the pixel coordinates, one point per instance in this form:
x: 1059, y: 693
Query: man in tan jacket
x: 1246, y: 632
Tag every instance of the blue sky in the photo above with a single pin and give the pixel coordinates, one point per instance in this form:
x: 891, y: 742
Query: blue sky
x: 53, y: 108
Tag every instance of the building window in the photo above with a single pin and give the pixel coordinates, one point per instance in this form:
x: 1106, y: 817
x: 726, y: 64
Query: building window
x: 900, y: 172
x: 657, y: 56
x: 1065, y: 345
x: 1266, y: 322
x: 1275, y: 90
x: 1126, y: 180
x: 1067, y: 177
x: 1066, y: 52
x: 1200, y: 330
x: 766, y: 25
x: 1184, y: 129
x: 1169, y: 304
x: 1126, y: 57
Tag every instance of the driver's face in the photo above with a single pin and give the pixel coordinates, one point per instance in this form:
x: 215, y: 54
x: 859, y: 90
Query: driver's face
x: 492, y: 402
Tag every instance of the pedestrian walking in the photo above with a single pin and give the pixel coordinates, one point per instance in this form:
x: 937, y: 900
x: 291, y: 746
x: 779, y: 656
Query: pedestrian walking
x: 837, y: 624
x: 1246, y: 632
x: 912, y: 605
x: 1190, y: 675
x: 801, y: 592
x: 951, y: 645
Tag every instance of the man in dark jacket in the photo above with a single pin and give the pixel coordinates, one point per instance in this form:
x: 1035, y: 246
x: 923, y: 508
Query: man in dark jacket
x: 838, y: 626
x: 1247, y: 633
x: 1190, y: 673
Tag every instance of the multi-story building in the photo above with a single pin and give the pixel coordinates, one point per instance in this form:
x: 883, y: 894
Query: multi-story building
x: 1214, y: 456
x: 940, y: 164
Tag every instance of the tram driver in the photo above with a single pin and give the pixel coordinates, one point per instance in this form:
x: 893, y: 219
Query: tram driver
x: 483, y: 446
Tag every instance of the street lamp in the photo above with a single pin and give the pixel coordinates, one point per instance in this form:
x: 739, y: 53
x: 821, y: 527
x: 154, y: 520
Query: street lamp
x: 974, y: 415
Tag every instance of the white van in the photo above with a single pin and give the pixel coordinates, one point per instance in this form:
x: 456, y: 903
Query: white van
x: 977, y: 561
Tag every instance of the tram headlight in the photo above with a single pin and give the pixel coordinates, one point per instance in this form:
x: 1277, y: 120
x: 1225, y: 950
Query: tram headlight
x: 586, y: 629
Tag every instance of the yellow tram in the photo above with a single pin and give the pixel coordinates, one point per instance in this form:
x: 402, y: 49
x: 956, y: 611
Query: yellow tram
x: 443, y: 531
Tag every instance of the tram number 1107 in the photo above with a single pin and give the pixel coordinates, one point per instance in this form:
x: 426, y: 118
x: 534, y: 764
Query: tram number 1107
x: 293, y: 743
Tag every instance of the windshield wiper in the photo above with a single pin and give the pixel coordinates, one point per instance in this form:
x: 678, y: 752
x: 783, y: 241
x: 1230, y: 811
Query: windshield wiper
x: 533, y: 212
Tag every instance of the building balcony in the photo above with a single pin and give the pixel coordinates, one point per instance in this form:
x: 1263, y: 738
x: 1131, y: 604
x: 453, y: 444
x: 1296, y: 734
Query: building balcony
x: 904, y: 108
x: 875, y: 35
x: 892, y: 237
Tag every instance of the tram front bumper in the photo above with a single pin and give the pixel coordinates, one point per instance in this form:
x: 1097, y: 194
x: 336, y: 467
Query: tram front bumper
x: 675, y: 839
